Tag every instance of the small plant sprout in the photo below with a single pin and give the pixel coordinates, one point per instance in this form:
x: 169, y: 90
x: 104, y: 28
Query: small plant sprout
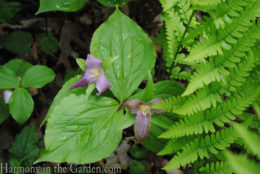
x: 94, y: 73
x: 143, y: 113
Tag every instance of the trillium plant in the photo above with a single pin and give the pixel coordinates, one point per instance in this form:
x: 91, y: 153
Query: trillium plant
x: 84, y: 126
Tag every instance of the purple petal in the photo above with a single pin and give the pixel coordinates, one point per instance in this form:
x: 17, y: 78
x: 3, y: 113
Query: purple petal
x: 155, y: 101
x: 85, y: 80
x: 133, y: 105
x: 102, y: 83
x: 142, y: 126
x: 93, y: 62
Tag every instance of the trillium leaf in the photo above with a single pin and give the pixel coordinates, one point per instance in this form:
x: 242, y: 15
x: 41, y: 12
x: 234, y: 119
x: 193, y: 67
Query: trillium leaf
x: 60, y: 5
x: 37, y: 76
x: 121, y: 37
x: 64, y: 92
x: 18, y: 66
x: 113, y: 3
x: 18, y: 42
x: 84, y: 133
x: 8, y: 78
x: 21, y: 105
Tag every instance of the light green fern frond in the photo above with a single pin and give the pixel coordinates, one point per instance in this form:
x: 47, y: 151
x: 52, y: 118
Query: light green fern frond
x: 219, y: 167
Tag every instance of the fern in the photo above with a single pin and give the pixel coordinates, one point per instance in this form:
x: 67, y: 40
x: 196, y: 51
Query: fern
x: 218, y: 54
x: 218, y: 167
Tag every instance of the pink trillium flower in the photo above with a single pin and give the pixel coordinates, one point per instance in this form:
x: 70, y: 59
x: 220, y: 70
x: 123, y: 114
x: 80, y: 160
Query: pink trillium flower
x: 94, y: 73
x: 143, y: 113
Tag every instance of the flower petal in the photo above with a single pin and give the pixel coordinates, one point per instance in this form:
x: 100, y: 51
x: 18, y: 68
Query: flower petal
x: 7, y: 95
x: 133, y: 105
x: 142, y: 126
x: 85, y: 80
x: 93, y: 62
x: 155, y: 101
x: 102, y: 83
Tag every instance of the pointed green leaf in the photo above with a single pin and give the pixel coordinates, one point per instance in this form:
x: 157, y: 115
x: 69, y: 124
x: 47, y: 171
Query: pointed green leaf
x: 81, y: 63
x: 60, y: 5
x: 37, y: 76
x: 149, y: 89
x: 8, y: 78
x: 21, y: 105
x: 84, y: 133
x: 121, y: 37
x: 18, y: 66
x: 113, y: 3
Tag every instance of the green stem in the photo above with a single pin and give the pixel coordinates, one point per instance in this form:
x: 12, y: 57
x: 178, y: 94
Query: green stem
x: 179, y: 47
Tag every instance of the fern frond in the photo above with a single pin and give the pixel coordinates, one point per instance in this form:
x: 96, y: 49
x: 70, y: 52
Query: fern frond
x: 204, y: 99
x: 203, y: 121
x: 206, y: 5
x: 218, y: 68
x: 241, y: 164
x: 205, y: 74
x: 176, y: 144
x: 219, y: 167
x: 202, y: 147
x: 234, y: 30
x: 250, y: 139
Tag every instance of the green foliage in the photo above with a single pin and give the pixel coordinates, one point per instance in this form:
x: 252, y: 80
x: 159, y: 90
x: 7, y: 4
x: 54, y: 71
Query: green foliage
x: 21, y: 105
x: 61, y: 5
x: 25, y: 149
x: 113, y: 3
x: 18, y: 66
x: 90, y: 128
x: 8, y: 10
x: 137, y: 167
x: 4, y: 113
x: 37, y: 76
x: 218, y: 56
x: 138, y: 152
x: 18, y: 42
x: 127, y: 41
x: 18, y: 74
x: 50, y: 44
x: 8, y: 78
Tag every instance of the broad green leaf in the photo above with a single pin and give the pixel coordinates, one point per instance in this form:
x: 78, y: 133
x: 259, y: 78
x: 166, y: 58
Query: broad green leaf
x: 50, y: 44
x: 60, y: 5
x: 17, y: 42
x: 250, y: 139
x: 8, y: 10
x: 80, y: 132
x: 64, y: 92
x: 18, y: 66
x: 138, y: 151
x: 37, y: 76
x: 25, y: 148
x: 113, y: 3
x: 8, y: 78
x: 21, y: 105
x: 4, y: 113
x: 121, y: 37
x: 241, y: 164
